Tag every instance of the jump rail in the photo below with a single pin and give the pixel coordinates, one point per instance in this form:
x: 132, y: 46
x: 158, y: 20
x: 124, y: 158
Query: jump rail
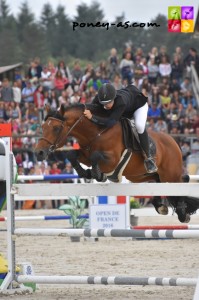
x: 46, y: 177
x: 64, y: 177
x: 45, y: 218
x: 43, y: 191
x: 171, y: 234
x: 166, y: 227
x: 108, y: 280
x: 194, y: 177
x: 64, y: 217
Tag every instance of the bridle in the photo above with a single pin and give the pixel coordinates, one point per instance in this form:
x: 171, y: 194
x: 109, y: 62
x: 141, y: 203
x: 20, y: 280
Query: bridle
x: 59, y: 139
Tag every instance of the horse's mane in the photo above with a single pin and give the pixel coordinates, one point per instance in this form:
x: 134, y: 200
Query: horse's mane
x: 76, y: 106
x: 79, y: 106
x: 96, y: 109
x: 54, y: 114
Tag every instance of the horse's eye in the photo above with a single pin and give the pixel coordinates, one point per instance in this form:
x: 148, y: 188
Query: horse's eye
x: 56, y: 129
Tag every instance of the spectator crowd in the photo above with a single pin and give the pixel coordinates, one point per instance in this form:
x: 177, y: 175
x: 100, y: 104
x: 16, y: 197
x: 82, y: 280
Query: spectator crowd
x: 165, y: 79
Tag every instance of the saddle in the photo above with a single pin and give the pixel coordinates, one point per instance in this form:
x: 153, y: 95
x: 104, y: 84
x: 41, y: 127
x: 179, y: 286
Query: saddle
x: 132, y: 144
x: 131, y: 138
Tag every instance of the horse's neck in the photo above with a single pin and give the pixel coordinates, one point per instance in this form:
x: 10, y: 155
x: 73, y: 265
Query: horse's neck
x: 85, y: 132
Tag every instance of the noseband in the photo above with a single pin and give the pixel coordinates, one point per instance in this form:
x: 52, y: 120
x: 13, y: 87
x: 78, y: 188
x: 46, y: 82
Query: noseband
x: 59, y: 139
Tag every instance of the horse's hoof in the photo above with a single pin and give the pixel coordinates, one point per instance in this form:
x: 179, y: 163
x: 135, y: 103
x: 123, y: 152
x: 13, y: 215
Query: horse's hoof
x: 184, y: 218
x: 188, y: 218
x: 181, y: 209
x: 104, y: 178
x: 163, y: 210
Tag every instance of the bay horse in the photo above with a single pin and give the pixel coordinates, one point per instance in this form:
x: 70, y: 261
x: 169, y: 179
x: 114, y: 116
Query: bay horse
x: 102, y: 149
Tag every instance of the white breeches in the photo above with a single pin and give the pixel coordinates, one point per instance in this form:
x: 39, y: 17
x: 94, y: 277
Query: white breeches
x: 140, y: 117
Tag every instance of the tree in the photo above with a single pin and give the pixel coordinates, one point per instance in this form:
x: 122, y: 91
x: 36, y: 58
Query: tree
x: 24, y: 20
x: 62, y: 33
x: 30, y: 34
x: 10, y: 50
x: 6, y: 19
x: 33, y: 44
x: 47, y: 22
x: 4, y: 10
x: 9, y: 45
x: 88, y: 40
x: 158, y: 36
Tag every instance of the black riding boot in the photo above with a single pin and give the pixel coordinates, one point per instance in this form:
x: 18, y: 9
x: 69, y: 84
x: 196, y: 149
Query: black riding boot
x: 149, y: 162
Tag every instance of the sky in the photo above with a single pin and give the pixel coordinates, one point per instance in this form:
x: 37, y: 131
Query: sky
x: 134, y: 10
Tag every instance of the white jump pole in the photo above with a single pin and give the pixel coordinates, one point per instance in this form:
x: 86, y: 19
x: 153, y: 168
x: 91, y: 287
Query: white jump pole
x: 46, y: 177
x: 9, y: 176
x: 108, y: 280
x: 196, y: 294
x: 194, y: 177
x: 64, y: 176
x: 171, y: 234
x: 44, y: 191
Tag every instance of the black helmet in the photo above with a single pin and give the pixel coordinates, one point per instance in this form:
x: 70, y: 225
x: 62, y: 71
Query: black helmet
x: 106, y: 93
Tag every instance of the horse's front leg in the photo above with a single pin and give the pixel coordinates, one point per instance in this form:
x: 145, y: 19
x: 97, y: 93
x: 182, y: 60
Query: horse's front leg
x: 73, y: 156
x: 96, y: 173
x: 161, y: 205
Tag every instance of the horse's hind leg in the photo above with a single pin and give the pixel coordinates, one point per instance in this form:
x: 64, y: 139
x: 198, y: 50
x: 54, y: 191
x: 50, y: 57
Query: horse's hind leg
x: 182, y: 210
x: 182, y: 205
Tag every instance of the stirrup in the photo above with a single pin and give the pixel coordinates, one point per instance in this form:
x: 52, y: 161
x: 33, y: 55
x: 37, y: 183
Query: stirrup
x: 150, y: 165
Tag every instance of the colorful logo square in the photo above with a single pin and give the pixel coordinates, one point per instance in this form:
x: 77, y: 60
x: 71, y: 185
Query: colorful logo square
x: 187, y: 13
x: 181, y: 19
x: 174, y: 25
x: 187, y: 26
x: 174, y: 13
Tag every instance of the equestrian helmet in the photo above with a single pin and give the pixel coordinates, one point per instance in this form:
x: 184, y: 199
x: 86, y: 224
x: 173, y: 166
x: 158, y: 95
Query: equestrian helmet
x: 106, y: 93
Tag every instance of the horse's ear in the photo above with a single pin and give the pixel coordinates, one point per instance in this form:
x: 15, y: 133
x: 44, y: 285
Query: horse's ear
x: 62, y: 110
x: 47, y: 108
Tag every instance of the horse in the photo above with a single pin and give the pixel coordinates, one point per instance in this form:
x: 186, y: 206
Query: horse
x: 102, y: 148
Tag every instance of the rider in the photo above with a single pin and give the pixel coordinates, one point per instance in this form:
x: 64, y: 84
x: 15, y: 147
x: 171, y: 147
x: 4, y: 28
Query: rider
x: 128, y: 102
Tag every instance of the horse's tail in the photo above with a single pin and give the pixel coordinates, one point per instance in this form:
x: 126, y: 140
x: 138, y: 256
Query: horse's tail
x: 184, y: 206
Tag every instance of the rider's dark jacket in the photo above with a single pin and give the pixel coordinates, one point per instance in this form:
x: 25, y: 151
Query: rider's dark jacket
x: 126, y: 102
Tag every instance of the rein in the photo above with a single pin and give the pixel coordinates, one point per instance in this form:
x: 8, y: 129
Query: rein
x: 59, y: 139
x: 55, y: 145
x: 88, y: 147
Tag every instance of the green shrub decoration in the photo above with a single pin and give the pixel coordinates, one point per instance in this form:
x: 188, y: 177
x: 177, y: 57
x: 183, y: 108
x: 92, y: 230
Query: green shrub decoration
x: 134, y: 203
x: 74, y: 209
